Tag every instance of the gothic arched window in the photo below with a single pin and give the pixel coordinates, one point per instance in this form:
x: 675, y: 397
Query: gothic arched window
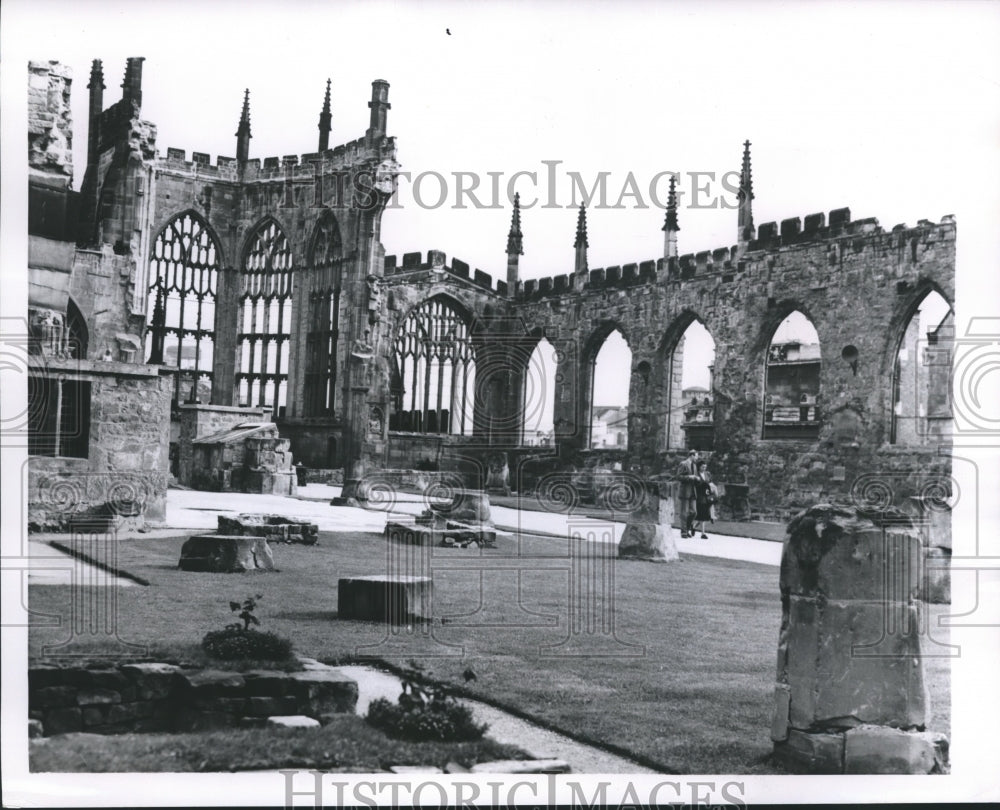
x: 265, y: 319
x: 792, y: 408
x: 184, y: 266
x: 434, y: 373
x: 324, y: 317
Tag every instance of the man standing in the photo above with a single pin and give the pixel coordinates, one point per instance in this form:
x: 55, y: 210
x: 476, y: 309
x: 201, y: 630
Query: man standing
x: 687, y: 473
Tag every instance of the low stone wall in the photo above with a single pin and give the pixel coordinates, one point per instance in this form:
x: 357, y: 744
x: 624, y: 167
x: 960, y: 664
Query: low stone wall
x: 148, y: 697
x: 333, y: 477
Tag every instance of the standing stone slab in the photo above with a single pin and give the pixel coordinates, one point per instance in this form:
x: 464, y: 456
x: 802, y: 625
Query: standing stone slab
x: 384, y: 598
x: 648, y: 534
x: 849, y: 671
x: 226, y: 554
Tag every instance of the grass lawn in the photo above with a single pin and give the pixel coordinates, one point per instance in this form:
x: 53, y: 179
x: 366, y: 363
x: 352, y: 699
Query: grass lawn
x: 685, y: 682
x: 348, y: 744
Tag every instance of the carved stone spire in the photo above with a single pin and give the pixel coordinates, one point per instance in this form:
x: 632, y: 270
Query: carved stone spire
x: 96, y: 87
x: 745, y: 200
x: 325, y: 121
x: 243, y: 135
x: 581, y: 244
x: 132, y: 83
x: 514, y: 247
x: 670, y: 226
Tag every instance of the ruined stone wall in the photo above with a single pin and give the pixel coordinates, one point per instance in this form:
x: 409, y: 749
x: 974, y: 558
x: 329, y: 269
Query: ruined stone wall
x: 115, y: 464
x: 857, y: 283
x: 127, y: 456
x: 198, y: 421
x: 294, y: 191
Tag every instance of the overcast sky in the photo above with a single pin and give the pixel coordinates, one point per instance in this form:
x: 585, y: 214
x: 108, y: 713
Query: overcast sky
x: 890, y: 109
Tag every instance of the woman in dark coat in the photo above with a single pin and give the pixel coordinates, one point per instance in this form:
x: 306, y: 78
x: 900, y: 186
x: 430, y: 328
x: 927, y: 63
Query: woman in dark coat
x: 704, y: 499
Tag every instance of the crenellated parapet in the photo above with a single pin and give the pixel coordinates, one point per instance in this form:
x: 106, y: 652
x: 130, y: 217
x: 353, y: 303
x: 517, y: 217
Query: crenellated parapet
x: 415, y: 269
x: 776, y: 245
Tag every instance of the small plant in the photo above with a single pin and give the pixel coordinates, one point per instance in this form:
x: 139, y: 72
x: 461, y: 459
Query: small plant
x: 246, y: 608
x: 241, y: 642
x: 424, y: 712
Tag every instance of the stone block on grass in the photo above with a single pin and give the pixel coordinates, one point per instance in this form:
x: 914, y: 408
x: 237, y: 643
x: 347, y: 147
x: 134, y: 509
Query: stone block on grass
x: 226, y: 554
x: 648, y: 534
x: 320, y: 692
x: 811, y: 753
x: 275, y: 528
x: 385, y: 598
x: 878, y: 750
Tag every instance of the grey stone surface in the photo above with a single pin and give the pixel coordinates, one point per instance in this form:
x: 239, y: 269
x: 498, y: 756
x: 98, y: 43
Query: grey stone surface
x: 384, y: 598
x: 275, y: 528
x: 320, y: 692
x: 648, y: 534
x: 226, y: 554
x: 881, y: 750
x: 811, y: 753
x: 849, y: 647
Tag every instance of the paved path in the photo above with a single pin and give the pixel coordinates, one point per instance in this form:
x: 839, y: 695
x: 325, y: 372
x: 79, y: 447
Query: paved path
x: 504, y: 728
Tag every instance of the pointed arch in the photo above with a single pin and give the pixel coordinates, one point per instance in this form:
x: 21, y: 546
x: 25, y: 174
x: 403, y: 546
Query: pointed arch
x: 434, y: 373
x: 923, y: 342
x: 76, y: 325
x: 607, y: 373
x: 264, y: 332
x: 687, y: 355
x: 185, y: 261
x: 538, y: 393
x: 792, y: 365
x: 326, y: 257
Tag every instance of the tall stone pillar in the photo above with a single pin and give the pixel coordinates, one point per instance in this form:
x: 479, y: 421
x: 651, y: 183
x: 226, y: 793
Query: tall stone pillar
x: 850, y: 694
x: 366, y: 383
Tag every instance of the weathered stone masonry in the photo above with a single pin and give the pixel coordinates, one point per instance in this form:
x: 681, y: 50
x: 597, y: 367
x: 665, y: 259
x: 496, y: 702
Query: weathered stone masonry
x: 309, y: 226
